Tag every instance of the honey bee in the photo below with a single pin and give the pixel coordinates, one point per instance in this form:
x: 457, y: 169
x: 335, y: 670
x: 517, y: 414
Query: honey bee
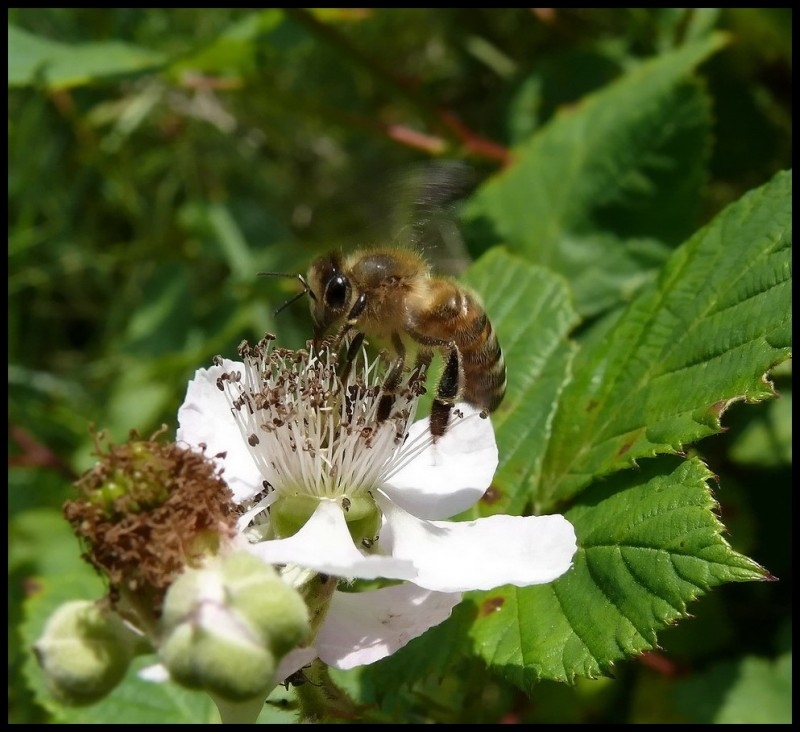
x: 391, y: 294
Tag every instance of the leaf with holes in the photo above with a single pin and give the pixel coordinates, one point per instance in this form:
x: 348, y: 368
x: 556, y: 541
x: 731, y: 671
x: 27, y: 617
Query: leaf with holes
x: 703, y: 336
x: 649, y: 543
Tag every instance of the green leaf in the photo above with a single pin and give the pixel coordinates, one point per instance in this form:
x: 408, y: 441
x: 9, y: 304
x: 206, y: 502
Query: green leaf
x: 767, y: 440
x: 430, y: 654
x: 601, y: 191
x: 236, y: 50
x: 144, y: 702
x: 648, y: 544
x: 231, y: 241
x: 134, y: 700
x: 33, y: 59
x: 749, y: 691
x: 530, y: 309
x: 42, y: 542
x: 702, y: 337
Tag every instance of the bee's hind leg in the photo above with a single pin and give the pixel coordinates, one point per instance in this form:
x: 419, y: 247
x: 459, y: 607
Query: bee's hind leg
x: 446, y: 394
x: 450, y: 383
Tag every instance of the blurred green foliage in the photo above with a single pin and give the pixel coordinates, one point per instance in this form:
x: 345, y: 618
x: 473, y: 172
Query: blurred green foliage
x: 160, y: 158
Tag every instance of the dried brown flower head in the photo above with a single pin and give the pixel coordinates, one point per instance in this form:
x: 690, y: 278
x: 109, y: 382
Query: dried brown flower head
x: 148, y: 509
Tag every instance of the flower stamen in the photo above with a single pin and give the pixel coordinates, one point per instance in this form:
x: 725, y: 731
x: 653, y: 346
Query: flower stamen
x: 310, y: 432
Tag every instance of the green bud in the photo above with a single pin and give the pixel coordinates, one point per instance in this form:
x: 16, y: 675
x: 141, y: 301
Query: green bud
x: 192, y: 587
x: 215, y: 660
x: 271, y: 605
x: 84, y: 652
x: 227, y: 625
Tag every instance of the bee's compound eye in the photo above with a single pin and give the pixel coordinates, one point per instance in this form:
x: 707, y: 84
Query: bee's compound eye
x: 336, y: 292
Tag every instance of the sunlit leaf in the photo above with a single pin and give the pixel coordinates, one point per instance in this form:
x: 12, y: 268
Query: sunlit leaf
x: 649, y: 543
x: 33, y: 60
x: 703, y: 336
x: 603, y: 190
x: 531, y: 311
x: 235, y: 50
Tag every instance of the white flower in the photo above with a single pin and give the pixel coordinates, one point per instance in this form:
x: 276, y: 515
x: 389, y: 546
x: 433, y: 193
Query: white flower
x: 298, y: 433
x: 337, y: 478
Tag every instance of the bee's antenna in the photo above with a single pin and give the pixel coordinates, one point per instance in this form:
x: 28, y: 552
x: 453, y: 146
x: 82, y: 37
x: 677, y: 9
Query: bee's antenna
x: 293, y: 298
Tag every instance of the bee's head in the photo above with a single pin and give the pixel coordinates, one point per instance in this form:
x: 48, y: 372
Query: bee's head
x: 329, y: 290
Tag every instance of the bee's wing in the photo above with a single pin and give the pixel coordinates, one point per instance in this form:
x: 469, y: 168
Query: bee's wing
x: 416, y: 209
x: 432, y: 192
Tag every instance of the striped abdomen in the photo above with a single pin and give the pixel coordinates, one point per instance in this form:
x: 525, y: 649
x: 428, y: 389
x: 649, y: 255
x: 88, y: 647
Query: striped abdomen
x: 454, y: 314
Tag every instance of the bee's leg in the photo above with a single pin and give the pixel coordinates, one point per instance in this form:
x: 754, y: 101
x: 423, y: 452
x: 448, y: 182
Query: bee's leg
x: 358, y: 339
x: 450, y: 384
x: 352, y: 352
x: 446, y: 393
x: 356, y: 310
x: 392, y: 380
x: 422, y: 362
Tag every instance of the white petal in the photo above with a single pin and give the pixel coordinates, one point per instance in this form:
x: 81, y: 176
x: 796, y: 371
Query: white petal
x: 205, y: 417
x: 480, y: 554
x: 294, y: 661
x: 451, y: 474
x: 363, y: 627
x: 324, y: 544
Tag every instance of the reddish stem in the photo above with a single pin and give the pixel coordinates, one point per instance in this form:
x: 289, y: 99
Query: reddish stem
x: 36, y: 455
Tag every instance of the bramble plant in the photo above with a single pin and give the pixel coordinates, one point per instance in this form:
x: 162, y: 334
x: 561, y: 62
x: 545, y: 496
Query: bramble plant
x: 282, y: 544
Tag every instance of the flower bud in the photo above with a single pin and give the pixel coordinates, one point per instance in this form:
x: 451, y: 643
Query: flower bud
x: 226, y: 627
x: 84, y: 652
x: 274, y: 607
x: 217, y: 653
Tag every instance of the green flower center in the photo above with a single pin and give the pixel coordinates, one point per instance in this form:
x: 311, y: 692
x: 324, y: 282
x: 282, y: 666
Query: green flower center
x: 291, y: 512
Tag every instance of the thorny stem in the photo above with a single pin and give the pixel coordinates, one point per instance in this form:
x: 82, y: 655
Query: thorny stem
x: 321, y: 700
